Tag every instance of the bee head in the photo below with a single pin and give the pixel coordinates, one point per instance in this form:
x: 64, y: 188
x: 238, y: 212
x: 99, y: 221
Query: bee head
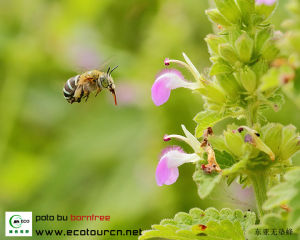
x: 106, y: 81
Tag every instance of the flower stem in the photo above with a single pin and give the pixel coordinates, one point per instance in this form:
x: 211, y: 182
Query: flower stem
x: 259, y: 183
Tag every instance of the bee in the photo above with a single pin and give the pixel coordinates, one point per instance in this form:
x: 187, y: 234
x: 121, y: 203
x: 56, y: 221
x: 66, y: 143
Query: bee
x: 82, y: 85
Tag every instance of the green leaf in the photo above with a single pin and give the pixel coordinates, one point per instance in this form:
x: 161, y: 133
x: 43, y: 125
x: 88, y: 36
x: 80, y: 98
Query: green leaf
x: 224, y: 230
x: 287, y: 193
x: 205, y: 181
x: 269, y: 222
x: 224, y: 159
x: 207, y: 119
x: 199, y: 224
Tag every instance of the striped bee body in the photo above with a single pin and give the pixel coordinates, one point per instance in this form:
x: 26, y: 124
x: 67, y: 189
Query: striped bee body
x: 70, y: 88
x: 82, y: 85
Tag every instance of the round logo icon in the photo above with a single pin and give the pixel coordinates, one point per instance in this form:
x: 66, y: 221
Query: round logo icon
x: 15, y: 221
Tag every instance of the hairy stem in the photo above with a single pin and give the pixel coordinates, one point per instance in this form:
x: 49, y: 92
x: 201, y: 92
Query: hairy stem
x: 259, y: 183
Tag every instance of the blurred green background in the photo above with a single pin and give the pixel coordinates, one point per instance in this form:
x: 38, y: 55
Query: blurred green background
x: 93, y: 157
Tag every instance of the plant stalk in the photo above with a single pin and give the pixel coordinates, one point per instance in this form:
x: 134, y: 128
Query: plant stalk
x: 259, y: 183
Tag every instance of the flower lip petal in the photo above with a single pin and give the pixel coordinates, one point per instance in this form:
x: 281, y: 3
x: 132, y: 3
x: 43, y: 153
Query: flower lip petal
x: 164, y: 174
x: 166, y: 80
x: 167, y: 169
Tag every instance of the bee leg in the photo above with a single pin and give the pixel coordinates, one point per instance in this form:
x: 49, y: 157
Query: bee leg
x: 87, y: 96
x: 78, y: 94
x: 98, y: 91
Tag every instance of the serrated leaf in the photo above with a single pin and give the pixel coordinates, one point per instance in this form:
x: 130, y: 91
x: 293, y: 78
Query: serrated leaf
x: 205, y: 181
x: 225, y: 230
x: 224, y: 159
x: 287, y: 193
x: 199, y: 224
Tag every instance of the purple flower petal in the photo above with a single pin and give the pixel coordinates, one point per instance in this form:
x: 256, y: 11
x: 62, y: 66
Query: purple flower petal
x: 171, y: 158
x: 164, y: 83
x: 266, y: 2
x: 164, y: 174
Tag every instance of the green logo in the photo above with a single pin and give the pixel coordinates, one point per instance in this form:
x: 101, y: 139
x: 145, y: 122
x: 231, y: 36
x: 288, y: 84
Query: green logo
x: 15, y: 221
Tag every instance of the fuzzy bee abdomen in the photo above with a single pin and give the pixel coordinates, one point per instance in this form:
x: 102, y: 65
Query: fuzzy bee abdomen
x: 70, y: 88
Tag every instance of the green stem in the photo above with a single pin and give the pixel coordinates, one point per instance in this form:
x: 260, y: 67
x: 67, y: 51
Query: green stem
x: 259, y: 183
x: 251, y: 114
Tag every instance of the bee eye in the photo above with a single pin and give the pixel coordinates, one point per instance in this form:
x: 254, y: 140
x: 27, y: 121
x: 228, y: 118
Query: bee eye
x: 104, y: 82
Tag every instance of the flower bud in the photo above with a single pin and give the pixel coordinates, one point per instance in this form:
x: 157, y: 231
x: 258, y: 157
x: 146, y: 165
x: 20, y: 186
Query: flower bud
x: 265, y: 11
x: 234, y: 142
x: 247, y: 9
x: 213, y: 41
x: 229, y: 10
x: 227, y: 52
x: 215, y: 16
x: 229, y: 84
x: 219, y: 68
x: 248, y: 79
x: 261, y: 37
x: 270, y: 51
x: 244, y: 46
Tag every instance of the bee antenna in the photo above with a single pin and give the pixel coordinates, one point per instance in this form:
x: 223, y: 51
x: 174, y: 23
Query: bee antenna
x: 108, y: 70
x: 113, y: 69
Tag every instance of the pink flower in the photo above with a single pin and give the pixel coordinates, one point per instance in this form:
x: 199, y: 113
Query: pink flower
x: 171, y: 79
x: 266, y: 2
x: 167, y: 169
x: 166, y: 81
x: 172, y: 157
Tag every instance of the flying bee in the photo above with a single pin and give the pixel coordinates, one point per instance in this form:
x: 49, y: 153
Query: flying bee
x: 82, y: 85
